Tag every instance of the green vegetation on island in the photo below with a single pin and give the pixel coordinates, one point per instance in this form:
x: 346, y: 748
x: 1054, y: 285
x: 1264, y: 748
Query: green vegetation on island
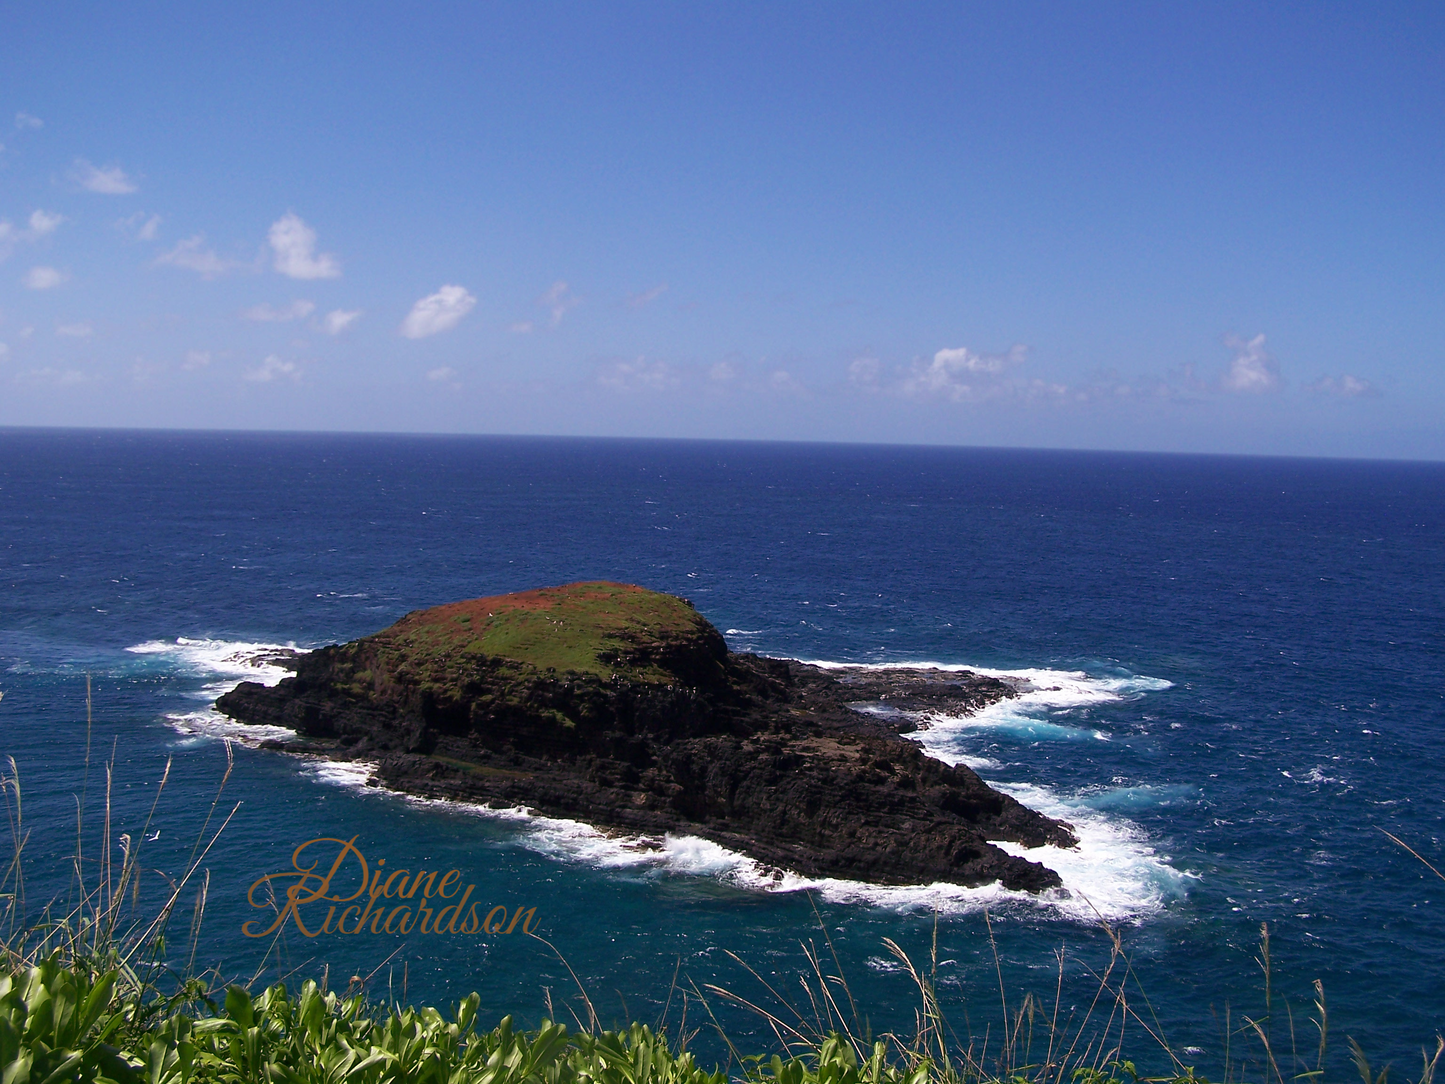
x: 601, y: 629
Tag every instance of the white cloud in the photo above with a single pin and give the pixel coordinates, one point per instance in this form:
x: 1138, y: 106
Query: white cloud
x: 4, y: 350
x: 1253, y: 369
x: 82, y: 330
x: 437, y: 312
x: 294, y: 243
x: 637, y: 301
x: 272, y: 368
x: 863, y: 373
x: 143, y: 370
x: 40, y: 224
x: 193, y: 255
x: 521, y: 327
x: 958, y: 374
x: 722, y: 373
x: 962, y: 359
x: 43, y: 223
x: 640, y: 373
x: 1034, y: 388
x: 44, y: 278
x: 338, y: 320
x: 558, y: 300
x: 47, y: 375
x: 784, y: 381
x: 265, y: 314
x: 196, y: 359
x: 108, y: 180
x: 140, y: 226
x: 446, y: 372
x: 25, y: 120
x: 1347, y: 387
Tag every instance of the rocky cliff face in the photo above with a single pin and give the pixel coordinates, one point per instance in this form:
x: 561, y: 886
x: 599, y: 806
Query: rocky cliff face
x: 624, y: 708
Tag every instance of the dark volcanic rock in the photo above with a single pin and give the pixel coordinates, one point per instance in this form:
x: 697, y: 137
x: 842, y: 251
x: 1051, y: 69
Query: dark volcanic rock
x: 623, y: 708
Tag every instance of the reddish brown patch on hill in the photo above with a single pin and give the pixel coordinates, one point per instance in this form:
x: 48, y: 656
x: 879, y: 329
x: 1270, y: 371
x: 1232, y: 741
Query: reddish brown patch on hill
x: 543, y: 598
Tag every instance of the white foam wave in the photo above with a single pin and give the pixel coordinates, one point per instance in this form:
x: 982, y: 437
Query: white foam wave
x: 340, y: 773
x: 1114, y: 873
x: 222, y: 665
x: 229, y: 662
x: 1040, y: 711
x: 210, y: 723
x: 980, y: 764
x: 1054, y: 688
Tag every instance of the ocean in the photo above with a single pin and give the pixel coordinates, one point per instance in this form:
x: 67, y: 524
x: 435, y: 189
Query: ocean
x: 1232, y: 673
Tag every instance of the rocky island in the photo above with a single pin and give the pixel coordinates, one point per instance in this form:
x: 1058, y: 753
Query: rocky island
x: 623, y: 708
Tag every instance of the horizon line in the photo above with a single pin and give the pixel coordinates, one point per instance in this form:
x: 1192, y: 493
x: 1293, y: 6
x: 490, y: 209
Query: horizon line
x: 6, y: 430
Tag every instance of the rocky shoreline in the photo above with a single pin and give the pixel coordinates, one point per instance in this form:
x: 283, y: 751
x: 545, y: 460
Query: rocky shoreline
x: 624, y: 709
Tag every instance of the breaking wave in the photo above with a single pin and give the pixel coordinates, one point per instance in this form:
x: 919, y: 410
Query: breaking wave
x: 1114, y: 874
x: 221, y: 665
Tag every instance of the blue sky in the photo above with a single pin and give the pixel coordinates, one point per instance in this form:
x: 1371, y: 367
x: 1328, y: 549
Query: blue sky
x: 1214, y: 227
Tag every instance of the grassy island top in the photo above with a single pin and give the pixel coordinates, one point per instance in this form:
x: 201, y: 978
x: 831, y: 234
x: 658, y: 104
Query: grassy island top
x: 593, y: 628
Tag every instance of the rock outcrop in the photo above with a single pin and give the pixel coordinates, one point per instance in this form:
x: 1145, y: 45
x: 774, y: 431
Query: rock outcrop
x: 624, y: 708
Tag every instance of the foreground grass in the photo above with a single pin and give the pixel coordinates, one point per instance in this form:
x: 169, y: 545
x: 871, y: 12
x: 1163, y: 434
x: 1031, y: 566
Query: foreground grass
x: 74, y: 1009
x: 67, y: 1022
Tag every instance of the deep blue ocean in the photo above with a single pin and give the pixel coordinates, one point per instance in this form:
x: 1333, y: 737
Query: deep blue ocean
x: 1234, y: 676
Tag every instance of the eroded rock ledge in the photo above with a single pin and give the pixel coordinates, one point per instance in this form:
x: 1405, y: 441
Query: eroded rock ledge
x: 623, y: 708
